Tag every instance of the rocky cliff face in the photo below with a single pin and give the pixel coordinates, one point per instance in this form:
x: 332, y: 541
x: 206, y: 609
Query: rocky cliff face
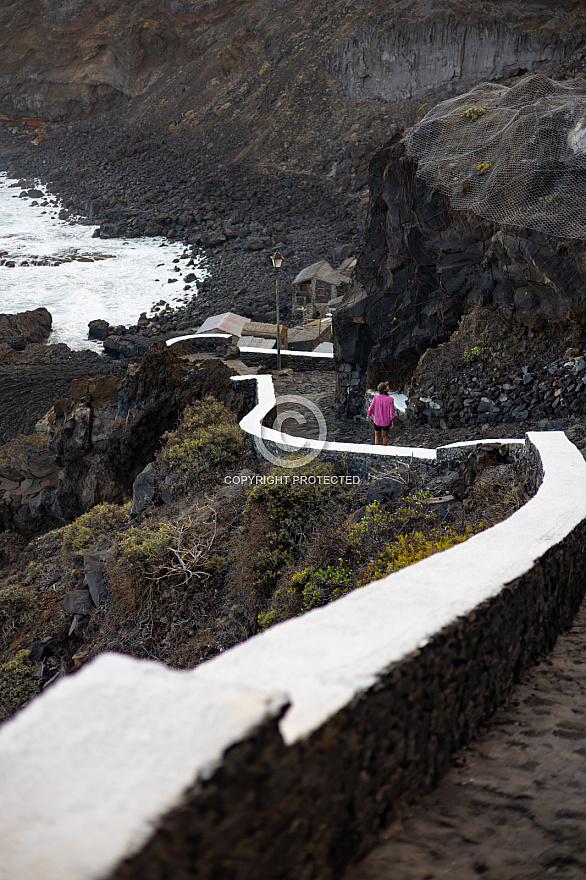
x: 264, y: 77
x: 441, y: 53
x: 424, y: 265
x: 105, y: 432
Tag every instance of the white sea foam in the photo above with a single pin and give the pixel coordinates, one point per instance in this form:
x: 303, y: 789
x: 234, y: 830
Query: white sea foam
x: 80, y: 277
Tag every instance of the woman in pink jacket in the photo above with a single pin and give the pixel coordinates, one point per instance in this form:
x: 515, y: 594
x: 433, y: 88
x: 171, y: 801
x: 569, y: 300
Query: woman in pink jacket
x: 383, y: 407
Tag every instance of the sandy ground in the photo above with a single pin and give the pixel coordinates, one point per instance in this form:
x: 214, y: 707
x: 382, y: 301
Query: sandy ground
x: 513, y: 807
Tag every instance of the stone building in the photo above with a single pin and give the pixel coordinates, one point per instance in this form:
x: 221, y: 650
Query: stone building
x: 314, y: 287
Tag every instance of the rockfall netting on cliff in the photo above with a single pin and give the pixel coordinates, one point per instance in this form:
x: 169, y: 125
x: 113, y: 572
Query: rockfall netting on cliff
x: 511, y: 155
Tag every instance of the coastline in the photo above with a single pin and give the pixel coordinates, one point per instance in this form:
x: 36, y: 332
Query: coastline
x: 235, y: 215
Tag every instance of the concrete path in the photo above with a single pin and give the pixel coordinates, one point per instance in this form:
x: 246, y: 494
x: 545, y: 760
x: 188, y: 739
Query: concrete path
x: 514, y: 806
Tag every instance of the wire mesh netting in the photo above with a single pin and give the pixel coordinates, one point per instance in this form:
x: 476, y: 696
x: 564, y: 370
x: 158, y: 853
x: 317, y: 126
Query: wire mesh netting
x: 513, y: 155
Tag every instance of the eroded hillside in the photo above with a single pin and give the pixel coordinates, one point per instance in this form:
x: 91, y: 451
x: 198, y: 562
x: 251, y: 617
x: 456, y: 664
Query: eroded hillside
x: 290, y: 80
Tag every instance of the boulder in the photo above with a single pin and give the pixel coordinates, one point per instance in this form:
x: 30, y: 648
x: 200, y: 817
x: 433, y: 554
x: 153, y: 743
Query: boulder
x: 143, y: 490
x: 78, y: 602
x: 93, y: 566
x: 21, y: 329
x: 98, y: 329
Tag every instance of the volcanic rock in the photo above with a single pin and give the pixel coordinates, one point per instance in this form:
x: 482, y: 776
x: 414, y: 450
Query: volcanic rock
x: 107, y: 433
x: 19, y: 330
x: 424, y: 265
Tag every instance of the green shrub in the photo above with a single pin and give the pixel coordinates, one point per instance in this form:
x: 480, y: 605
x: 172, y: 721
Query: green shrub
x: 205, y: 439
x: 383, y: 524
x: 318, y: 586
x: 384, y: 540
x: 87, y: 529
x: 17, y: 607
x: 294, y: 511
x: 408, y: 549
x: 16, y: 683
x: 471, y: 357
x: 473, y: 113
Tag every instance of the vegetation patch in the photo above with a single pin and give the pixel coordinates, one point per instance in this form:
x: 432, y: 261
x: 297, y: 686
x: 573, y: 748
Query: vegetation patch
x: 17, y: 684
x: 385, y: 539
x: 280, y: 521
x: 17, y: 607
x: 87, y: 529
x: 174, y: 549
x: 206, y: 439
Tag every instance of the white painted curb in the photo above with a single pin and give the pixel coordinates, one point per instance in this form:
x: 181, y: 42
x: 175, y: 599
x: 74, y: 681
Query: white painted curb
x: 266, y: 400
x: 285, y: 352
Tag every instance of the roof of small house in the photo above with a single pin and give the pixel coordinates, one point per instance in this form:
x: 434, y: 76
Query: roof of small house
x: 311, y: 330
x: 322, y: 271
x: 256, y: 342
x: 228, y: 322
x: 258, y: 328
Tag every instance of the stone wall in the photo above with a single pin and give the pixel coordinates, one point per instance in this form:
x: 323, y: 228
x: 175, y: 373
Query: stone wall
x: 479, y: 397
x: 309, y: 810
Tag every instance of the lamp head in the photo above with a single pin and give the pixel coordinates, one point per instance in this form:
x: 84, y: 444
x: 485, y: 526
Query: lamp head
x: 277, y: 259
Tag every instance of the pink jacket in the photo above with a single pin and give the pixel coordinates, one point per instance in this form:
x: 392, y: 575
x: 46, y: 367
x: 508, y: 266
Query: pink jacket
x: 384, y: 409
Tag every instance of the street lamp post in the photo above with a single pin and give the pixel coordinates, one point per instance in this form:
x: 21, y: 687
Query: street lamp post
x: 277, y: 260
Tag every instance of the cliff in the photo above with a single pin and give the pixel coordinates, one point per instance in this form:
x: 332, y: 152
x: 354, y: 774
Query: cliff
x: 423, y: 265
x: 285, y: 79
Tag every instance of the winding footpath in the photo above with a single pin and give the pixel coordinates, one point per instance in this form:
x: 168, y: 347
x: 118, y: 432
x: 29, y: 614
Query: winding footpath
x: 514, y: 805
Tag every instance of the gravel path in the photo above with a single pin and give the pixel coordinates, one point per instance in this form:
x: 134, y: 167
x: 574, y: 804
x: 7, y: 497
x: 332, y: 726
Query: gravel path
x: 320, y: 388
x: 513, y: 807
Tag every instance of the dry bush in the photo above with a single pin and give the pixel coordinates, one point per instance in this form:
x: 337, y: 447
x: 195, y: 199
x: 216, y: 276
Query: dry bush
x: 206, y: 440
x: 158, y: 589
x: 241, y: 618
x: 495, y: 494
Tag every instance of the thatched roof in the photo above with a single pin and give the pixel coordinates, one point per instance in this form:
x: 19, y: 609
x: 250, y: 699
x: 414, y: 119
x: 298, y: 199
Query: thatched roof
x: 322, y: 271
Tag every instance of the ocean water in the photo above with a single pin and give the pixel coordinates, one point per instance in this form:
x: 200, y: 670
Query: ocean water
x: 48, y: 262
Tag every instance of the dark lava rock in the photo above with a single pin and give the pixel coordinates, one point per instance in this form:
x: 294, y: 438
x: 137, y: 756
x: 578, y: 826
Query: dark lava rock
x: 32, y: 380
x: 93, y: 565
x: 19, y: 330
x: 143, y: 490
x: 98, y: 329
x: 102, y: 442
x: 423, y: 265
x: 78, y: 602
